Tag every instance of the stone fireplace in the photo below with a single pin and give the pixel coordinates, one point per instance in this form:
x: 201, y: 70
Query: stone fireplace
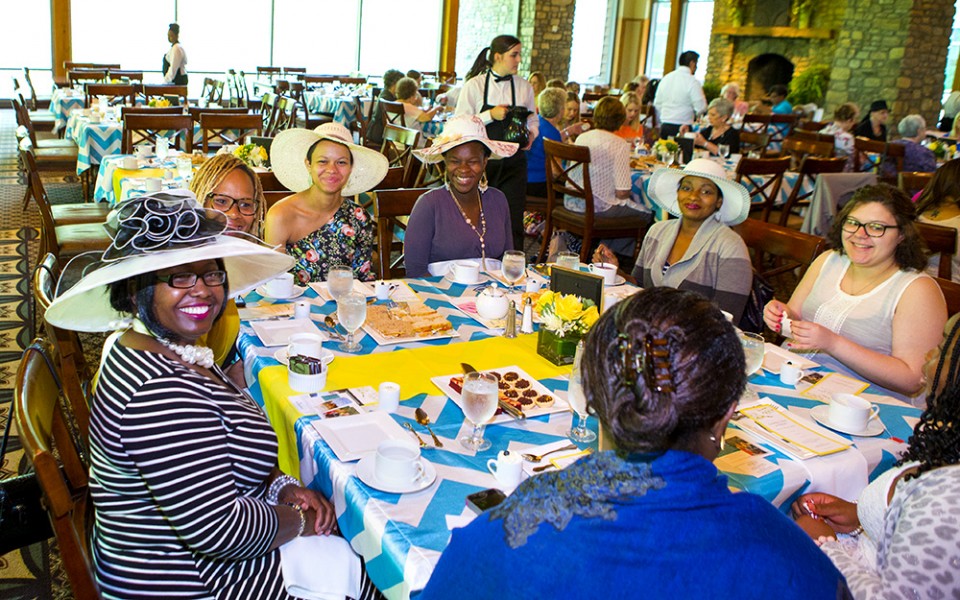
x: 766, y: 70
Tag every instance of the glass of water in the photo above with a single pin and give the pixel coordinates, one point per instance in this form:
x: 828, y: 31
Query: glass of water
x: 723, y: 150
x: 479, y: 403
x: 513, y: 266
x: 351, y: 312
x: 163, y: 144
x: 184, y: 167
x: 339, y: 281
x: 578, y: 402
x: 568, y: 260
x: 753, y: 350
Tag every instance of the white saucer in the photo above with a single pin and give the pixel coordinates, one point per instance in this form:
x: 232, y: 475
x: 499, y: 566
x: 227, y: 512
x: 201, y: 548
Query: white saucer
x: 326, y: 357
x: 297, y: 292
x: 480, y: 279
x: 620, y: 280
x: 366, y: 474
x: 821, y: 415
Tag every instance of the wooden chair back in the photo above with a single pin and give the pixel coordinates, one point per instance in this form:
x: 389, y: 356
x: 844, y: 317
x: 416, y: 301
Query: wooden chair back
x: 347, y: 80
x: 398, y: 146
x: 161, y: 90
x: 392, y: 113
x: 117, y: 92
x: 243, y: 92
x: 33, y: 103
x: 295, y: 71
x: 869, y: 154
x: 389, y: 206
x: 150, y: 110
x: 781, y: 126
x: 270, y: 183
x: 940, y: 240
x: 392, y: 180
x: 813, y: 136
x: 777, y: 250
x: 798, y: 149
x: 809, y: 125
x: 270, y: 73
x: 83, y: 76
x: 430, y: 175
x: 196, y: 111
x: 268, y: 109
x: 139, y: 128
x: 285, y: 116
x: 912, y: 182
x: 131, y: 76
x: 593, y: 96
x: 212, y: 90
x: 274, y: 196
x: 763, y: 178
x: 810, y: 168
x: 218, y: 130
x: 648, y: 116
x: 71, y: 65
x: 751, y: 141
x: 951, y: 293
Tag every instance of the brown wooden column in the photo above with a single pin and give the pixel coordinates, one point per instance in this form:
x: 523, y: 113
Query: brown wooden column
x: 448, y: 36
x: 60, y: 37
x: 673, y: 36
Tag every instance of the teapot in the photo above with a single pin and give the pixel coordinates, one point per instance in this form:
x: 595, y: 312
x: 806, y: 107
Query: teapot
x: 492, y: 303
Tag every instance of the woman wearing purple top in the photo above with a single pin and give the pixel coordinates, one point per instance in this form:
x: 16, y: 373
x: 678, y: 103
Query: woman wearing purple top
x: 464, y: 218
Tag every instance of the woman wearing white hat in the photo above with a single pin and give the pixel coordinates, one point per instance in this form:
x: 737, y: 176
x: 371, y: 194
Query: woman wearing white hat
x: 319, y: 225
x: 464, y: 218
x: 187, y: 496
x: 698, y: 251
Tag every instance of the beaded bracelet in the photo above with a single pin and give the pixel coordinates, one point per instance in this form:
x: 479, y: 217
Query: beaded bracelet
x: 856, y: 531
x: 282, y: 481
x: 303, y: 517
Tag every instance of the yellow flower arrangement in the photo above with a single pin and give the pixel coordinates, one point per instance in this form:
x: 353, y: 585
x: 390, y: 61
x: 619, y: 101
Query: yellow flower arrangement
x: 940, y: 149
x: 566, y: 314
x: 252, y: 154
x: 158, y: 102
x: 665, y: 146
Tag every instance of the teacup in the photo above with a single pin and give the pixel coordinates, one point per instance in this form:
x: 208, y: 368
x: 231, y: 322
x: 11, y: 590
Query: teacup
x: 397, y: 462
x: 382, y: 290
x: 153, y: 184
x: 305, y: 344
x: 507, y: 468
x: 130, y: 162
x: 465, y: 272
x: 851, y: 412
x: 280, y: 286
x: 605, y: 270
x: 143, y: 150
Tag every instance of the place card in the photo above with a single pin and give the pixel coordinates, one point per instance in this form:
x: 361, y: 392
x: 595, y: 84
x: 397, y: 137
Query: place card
x: 823, y: 387
x: 745, y: 457
x: 797, y: 437
x: 327, y: 405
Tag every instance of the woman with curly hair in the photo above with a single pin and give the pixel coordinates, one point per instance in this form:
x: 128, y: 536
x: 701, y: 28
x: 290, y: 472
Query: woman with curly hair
x: 900, y: 536
x: 228, y: 184
x: 663, y: 371
x: 866, y: 306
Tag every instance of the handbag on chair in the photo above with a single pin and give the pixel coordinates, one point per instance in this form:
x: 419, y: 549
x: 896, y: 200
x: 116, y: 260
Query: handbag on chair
x: 23, y: 520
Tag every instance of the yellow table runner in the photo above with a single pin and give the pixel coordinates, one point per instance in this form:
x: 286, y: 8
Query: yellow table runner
x: 411, y: 368
x: 119, y: 174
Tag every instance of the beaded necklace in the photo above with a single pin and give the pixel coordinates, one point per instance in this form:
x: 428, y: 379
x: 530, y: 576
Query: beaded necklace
x: 483, y: 220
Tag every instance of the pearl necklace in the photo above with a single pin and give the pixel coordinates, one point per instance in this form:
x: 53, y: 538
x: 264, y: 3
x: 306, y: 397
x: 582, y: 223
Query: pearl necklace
x: 483, y: 220
x: 189, y: 353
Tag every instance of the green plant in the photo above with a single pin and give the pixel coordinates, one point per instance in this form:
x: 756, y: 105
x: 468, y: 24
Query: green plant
x: 711, y: 90
x: 810, y: 86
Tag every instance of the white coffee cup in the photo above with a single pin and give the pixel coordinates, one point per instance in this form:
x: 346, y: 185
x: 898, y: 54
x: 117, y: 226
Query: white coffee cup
x: 605, y: 270
x: 153, y: 184
x: 130, y: 162
x: 397, y: 462
x: 790, y: 374
x: 301, y: 309
x: 143, y: 150
x: 465, y: 272
x: 305, y: 344
x: 280, y: 286
x: 507, y: 468
x: 389, y: 395
x: 382, y: 289
x: 851, y: 412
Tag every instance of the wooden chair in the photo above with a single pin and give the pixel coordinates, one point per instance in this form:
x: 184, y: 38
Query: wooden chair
x: 196, y: 111
x: 123, y: 93
x: 392, y: 113
x: 272, y: 197
x: 39, y: 119
x: 869, y: 155
x: 912, y: 182
x: 561, y: 160
x: 951, y: 293
x: 74, y: 213
x: 243, y: 90
x: 389, y: 207
x: 270, y: 183
x: 294, y: 71
x: 777, y: 250
x: 810, y: 168
x: 780, y: 128
x: 34, y: 102
x: 813, y: 136
x: 798, y: 149
x: 940, y: 240
x: 212, y: 90
x: 398, y: 146
x: 311, y: 120
x: 45, y: 160
x: 130, y: 76
x: 753, y: 142
x: 808, y: 125
x: 69, y: 65
x: 218, y: 130
x: 268, y: 109
x: 150, y: 110
x: 26, y: 121
x: 163, y: 90
x: 44, y: 431
x: 139, y: 128
x: 270, y: 73
x: 347, y: 80
x: 285, y: 116
x: 593, y: 96
x: 80, y: 77
x: 763, y: 178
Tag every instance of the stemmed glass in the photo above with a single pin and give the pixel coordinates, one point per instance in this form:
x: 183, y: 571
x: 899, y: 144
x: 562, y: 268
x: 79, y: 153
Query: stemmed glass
x: 723, y: 150
x: 339, y: 281
x: 513, y: 266
x: 479, y: 400
x: 351, y: 312
x: 667, y: 157
x: 753, y: 350
x: 163, y: 144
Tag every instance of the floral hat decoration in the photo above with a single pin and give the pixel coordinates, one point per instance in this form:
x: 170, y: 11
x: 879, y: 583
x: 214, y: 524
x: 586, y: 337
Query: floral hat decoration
x: 460, y: 130
x: 155, y: 232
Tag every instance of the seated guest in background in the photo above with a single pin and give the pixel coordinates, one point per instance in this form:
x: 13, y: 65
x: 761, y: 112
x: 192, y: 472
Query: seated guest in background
x: 844, y: 119
x: 913, y: 130
x: 652, y: 511
x: 408, y: 92
x: 698, y: 251
x: 538, y: 82
x: 651, y: 132
x: 642, y: 82
x: 939, y: 204
x: 679, y: 97
x: 731, y: 91
x: 630, y: 86
x: 375, y: 128
x: 320, y: 225
x: 571, y: 114
x: 719, y: 132
x: 609, y: 171
x: 950, y: 109
x: 907, y: 517
x: 557, y: 83
x: 874, y: 125
x: 416, y: 76
x: 866, y: 307
x: 550, y: 104
x: 777, y: 94
x: 631, y: 130
x: 955, y: 133
x: 464, y: 218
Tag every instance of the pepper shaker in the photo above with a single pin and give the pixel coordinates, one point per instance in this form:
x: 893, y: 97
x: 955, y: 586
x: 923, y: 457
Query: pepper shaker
x: 510, y: 328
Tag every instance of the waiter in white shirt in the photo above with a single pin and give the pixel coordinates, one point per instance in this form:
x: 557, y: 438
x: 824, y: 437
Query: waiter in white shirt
x: 175, y: 60
x: 680, y: 100
x: 504, y: 102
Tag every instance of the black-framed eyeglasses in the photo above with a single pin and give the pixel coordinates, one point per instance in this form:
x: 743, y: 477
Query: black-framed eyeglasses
x: 223, y: 203
x: 185, y: 281
x: 871, y: 229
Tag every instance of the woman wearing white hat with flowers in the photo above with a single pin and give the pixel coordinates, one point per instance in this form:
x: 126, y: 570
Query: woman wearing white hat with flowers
x: 464, y: 218
x: 319, y: 225
x: 698, y: 251
x: 188, y: 500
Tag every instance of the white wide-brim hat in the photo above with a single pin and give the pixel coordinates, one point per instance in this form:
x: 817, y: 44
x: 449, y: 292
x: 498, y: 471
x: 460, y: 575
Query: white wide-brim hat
x: 289, y: 153
x: 736, y: 199
x: 460, y: 130
x: 86, y: 306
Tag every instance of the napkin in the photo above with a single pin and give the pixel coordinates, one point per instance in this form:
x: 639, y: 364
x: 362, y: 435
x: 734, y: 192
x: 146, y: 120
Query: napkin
x: 339, y: 577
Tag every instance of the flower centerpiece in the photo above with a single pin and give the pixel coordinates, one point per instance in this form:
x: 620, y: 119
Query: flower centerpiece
x: 252, y: 154
x: 665, y: 150
x: 564, y: 320
x: 158, y: 102
x: 941, y: 149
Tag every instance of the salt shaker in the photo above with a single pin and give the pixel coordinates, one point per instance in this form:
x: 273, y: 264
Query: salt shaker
x: 510, y: 328
x: 527, y: 325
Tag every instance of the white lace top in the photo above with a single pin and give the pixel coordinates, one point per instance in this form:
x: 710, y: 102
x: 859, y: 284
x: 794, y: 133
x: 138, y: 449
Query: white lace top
x: 609, y: 171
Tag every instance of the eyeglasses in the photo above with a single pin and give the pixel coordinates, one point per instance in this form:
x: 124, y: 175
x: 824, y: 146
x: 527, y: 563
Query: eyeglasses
x: 185, y: 281
x: 871, y: 229
x: 223, y: 203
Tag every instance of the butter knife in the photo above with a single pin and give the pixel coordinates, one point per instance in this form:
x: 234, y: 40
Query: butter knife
x: 511, y: 410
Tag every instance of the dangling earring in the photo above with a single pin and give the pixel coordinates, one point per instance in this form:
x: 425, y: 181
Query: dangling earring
x: 446, y: 182
x: 482, y: 184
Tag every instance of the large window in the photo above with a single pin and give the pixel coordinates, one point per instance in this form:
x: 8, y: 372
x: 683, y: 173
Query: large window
x: 659, y: 31
x: 695, y: 33
x: 221, y: 34
x: 400, y: 34
x: 26, y: 43
x: 590, y: 54
x: 104, y: 32
x: 953, y: 52
x: 298, y: 42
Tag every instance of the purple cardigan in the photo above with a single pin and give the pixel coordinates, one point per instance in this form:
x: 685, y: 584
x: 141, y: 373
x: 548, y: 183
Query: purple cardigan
x: 437, y: 231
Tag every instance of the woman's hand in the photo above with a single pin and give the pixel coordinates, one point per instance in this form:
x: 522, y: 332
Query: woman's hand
x: 817, y: 530
x: 700, y: 141
x: 604, y: 255
x: 773, y: 313
x: 837, y: 513
x: 321, y: 516
x: 807, y: 335
x: 499, y: 113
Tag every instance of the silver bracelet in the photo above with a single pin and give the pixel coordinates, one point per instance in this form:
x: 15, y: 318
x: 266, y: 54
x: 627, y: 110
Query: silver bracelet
x: 303, y: 517
x: 282, y: 481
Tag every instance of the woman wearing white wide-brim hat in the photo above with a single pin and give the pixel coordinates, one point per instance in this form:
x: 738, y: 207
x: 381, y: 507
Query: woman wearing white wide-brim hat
x: 698, y: 251
x: 319, y: 225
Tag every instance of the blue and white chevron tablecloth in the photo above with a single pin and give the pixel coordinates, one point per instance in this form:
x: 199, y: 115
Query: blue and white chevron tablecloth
x: 95, y: 141
x: 401, y: 536
x: 343, y: 108
x: 63, y: 102
x: 104, y: 190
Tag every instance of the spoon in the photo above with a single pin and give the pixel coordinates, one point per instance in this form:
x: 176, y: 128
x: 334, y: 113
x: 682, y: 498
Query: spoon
x: 332, y: 324
x: 539, y: 457
x: 423, y: 444
x: 424, y: 419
